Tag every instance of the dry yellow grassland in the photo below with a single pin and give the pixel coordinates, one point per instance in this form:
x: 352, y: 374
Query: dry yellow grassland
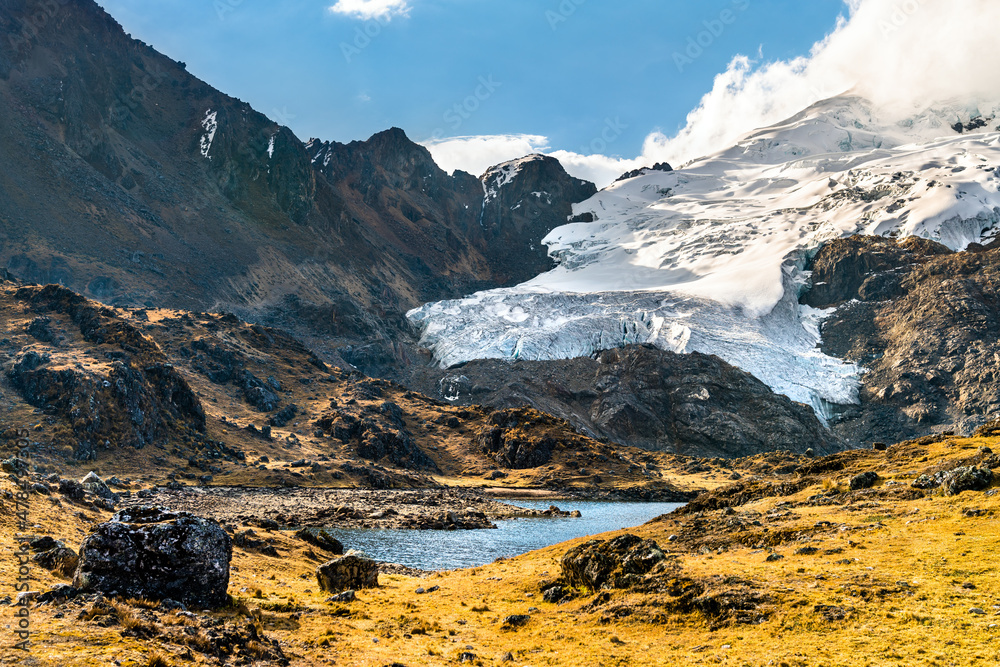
x: 891, y: 582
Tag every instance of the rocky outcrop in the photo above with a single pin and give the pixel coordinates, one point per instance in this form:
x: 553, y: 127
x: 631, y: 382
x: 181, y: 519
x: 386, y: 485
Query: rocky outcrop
x: 698, y: 405
x: 131, y: 398
x: 512, y: 439
x: 375, y: 432
x: 347, y: 573
x: 153, y: 553
x: 618, y: 563
x: 525, y: 200
x: 865, y: 268
x: 659, y: 166
x: 922, y: 321
x: 691, y: 404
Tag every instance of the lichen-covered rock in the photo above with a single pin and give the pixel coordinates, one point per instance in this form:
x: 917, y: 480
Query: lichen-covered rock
x: 60, y: 559
x: 966, y: 478
x: 865, y: 480
x: 926, y: 482
x: 377, y: 433
x: 72, y: 489
x: 347, y: 573
x: 323, y: 540
x: 153, y: 553
x: 14, y: 465
x: 257, y: 392
x: 95, y: 485
x: 512, y: 442
x: 617, y: 563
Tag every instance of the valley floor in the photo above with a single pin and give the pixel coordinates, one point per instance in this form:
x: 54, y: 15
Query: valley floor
x: 777, y: 569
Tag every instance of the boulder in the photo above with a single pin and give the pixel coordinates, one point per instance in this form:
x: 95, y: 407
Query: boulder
x: 95, y: 485
x: 617, y: 563
x: 512, y: 443
x: 865, y: 480
x: 14, y: 465
x: 966, y: 478
x: 321, y: 539
x: 347, y: 573
x: 61, y: 560
x: 153, y: 553
x: 72, y: 489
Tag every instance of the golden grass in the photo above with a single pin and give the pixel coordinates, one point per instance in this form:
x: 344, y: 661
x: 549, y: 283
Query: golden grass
x: 905, y: 574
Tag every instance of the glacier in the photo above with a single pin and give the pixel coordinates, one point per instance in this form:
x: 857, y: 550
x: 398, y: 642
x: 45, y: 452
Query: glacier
x: 711, y: 257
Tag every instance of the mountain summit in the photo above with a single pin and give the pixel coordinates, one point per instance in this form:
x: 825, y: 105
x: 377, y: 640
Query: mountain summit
x: 711, y: 257
x: 130, y: 180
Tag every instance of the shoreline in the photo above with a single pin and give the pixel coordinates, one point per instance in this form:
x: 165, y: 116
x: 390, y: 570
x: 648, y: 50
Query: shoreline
x: 414, y: 509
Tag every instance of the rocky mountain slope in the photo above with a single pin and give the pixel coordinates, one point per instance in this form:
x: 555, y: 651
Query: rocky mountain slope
x: 133, y: 182
x: 166, y: 396
x: 692, y: 404
x: 922, y: 321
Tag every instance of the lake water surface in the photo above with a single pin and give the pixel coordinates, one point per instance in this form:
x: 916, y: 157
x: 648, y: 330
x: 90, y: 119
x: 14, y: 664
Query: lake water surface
x: 447, y: 550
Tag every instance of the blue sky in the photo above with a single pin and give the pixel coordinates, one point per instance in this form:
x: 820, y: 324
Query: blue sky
x: 565, y: 70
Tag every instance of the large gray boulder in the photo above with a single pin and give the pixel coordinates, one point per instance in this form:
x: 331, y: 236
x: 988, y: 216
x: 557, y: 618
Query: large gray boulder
x: 347, y: 573
x: 153, y: 553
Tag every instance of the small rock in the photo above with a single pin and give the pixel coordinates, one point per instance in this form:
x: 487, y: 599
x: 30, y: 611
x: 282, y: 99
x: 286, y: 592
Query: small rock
x: 346, y: 596
x: 45, y: 543
x: 516, y: 620
x: 555, y: 593
x: 347, y: 573
x: 420, y: 591
x: 977, y: 611
x: 60, y: 559
x: 26, y: 598
x: 772, y: 557
x: 15, y: 465
x: 95, y: 485
x: 59, y: 592
x: 171, y: 605
x: 865, y: 480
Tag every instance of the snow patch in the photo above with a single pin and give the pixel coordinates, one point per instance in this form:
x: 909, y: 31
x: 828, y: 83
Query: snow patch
x: 210, y: 124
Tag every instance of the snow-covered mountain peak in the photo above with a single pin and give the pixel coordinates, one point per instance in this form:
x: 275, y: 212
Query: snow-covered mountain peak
x: 709, y: 257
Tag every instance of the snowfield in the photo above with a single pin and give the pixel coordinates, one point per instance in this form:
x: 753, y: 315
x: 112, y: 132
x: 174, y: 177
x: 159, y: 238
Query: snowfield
x: 710, y: 257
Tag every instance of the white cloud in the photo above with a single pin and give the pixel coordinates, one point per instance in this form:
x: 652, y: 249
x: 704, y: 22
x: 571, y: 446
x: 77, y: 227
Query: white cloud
x: 477, y: 154
x: 903, y: 55
x: 383, y: 10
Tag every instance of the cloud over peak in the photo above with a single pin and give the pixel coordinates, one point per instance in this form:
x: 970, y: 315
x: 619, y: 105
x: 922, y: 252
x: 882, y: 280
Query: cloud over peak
x: 904, y: 56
